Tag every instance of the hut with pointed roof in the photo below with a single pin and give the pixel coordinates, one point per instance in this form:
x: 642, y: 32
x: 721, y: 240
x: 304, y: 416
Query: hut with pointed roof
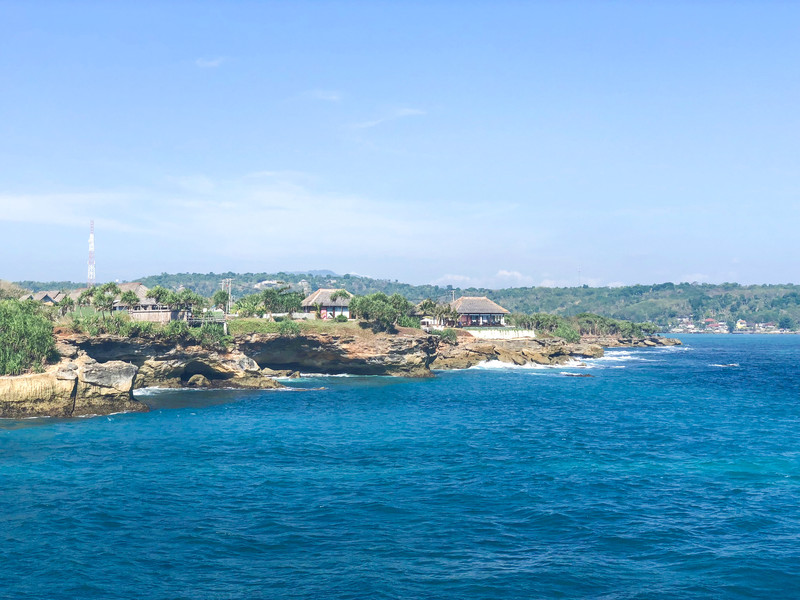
x: 479, y: 311
x: 328, y: 308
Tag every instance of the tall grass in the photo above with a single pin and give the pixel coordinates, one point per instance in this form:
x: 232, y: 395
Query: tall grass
x: 26, y: 337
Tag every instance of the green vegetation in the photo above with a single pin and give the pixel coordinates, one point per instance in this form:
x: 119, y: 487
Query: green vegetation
x: 10, y: 290
x: 26, y: 337
x: 269, y: 301
x: 448, y: 335
x: 209, y: 335
x: 572, y: 328
x: 289, y: 328
x: 659, y: 303
x: 381, y: 311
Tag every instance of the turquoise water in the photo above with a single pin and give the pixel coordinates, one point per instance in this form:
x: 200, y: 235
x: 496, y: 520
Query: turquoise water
x: 662, y: 476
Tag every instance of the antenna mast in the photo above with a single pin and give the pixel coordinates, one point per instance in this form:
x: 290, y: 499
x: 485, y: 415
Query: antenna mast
x: 91, y: 276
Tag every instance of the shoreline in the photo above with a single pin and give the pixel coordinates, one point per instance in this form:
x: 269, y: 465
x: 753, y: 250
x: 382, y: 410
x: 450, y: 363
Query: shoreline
x: 98, y: 375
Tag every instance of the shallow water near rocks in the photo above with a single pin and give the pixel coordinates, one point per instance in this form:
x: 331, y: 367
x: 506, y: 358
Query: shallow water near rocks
x: 671, y: 473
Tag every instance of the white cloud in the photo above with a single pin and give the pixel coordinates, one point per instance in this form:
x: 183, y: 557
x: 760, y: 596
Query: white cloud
x: 209, y: 63
x: 393, y: 116
x: 454, y: 280
x: 513, y: 279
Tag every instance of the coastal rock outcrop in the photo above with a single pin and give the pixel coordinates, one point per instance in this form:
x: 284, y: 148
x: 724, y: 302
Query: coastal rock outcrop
x: 407, y: 354
x: 652, y: 341
x: 548, y: 351
x: 71, y: 388
x: 173, y: 364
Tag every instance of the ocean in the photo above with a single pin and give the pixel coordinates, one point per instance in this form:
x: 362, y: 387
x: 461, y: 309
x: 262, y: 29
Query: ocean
x: 669, y: 473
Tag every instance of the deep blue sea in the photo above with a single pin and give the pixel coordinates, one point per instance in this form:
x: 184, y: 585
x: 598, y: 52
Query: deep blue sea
x: 670, y: 473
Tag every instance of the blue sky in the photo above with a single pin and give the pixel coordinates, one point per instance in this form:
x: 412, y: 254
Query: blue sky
x: 465, y: 143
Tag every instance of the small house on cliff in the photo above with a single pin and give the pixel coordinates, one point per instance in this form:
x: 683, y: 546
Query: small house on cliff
x: 479, y: 311
x: 147, y: 309
x: 329, y: 308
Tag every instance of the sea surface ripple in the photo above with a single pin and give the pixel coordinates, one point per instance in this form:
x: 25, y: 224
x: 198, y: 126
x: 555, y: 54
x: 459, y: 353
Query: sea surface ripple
x: 671, y: 473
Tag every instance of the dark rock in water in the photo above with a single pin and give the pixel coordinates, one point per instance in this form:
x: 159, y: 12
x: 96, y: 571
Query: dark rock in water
x: 198, y: 381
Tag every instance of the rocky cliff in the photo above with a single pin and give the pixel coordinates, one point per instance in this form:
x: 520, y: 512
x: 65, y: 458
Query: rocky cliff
x: 408, y: 354
x: 72, y: 388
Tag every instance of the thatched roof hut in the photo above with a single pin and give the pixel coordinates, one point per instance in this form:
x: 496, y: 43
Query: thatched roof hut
x: 477, y: 305
x: 323, y: 297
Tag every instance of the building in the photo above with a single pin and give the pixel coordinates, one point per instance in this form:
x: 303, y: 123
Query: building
x: 328, y: 308
x: 147, y: 309
x: 50, y: 298
x: 479, y: 311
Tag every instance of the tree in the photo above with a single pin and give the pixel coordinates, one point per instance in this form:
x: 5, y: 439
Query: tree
x: 85, y: 297
x: 427, y: 307
x: 271, y: 300
x: 344, y: 294
x: 159, y: 294
x: 220, y: 299
x: 66, y: 305
x: 291, y: 302
x: 380, y: 310
x: 248, y: 306
x: 104, y: 297
x: 129, y: 299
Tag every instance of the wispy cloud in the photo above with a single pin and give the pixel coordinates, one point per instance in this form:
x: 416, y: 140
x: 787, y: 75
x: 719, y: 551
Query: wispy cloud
x: 513, y: 278
x: 209, y: 63
x: 400, y: 113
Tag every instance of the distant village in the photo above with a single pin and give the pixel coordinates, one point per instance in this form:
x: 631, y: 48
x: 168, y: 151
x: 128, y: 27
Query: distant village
x: 709, y: 325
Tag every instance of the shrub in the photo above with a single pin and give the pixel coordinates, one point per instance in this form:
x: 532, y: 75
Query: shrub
x: 406, y: 321
x: 243, y: 326
x: 176, y: 329
x: 210, y: 335
x: 288, y: 328
x: 341, y: 319
x: 567, y: 331
x: 26, y: 337
x: 448, y: 335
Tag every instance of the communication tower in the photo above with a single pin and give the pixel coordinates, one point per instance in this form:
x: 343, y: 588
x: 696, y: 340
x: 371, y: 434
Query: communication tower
x: 91, y: 277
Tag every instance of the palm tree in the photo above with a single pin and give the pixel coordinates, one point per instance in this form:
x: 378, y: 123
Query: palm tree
x: 104, y: 298
x: 129, y: 299
x: 85, y: 297
x: 66, y: 305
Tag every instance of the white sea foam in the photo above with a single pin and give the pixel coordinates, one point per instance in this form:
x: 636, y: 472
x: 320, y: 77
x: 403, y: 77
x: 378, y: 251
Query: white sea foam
x: 724, y: 366
x: 152, y: 391
x: 315, y: 375
x: 496, y: 365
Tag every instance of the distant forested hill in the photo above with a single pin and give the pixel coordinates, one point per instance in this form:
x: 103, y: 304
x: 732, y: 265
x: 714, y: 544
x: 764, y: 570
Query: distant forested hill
x: 662, y: 303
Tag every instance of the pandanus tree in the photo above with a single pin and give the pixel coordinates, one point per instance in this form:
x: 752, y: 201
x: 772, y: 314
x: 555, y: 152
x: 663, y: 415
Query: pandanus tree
x: 66, y: 305
x: 85, y: 297
x: 129, y: 299
x: 104, y: 298
x: 160, y: 294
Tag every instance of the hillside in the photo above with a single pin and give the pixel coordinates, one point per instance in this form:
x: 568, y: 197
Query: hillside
x: 660, y: 303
